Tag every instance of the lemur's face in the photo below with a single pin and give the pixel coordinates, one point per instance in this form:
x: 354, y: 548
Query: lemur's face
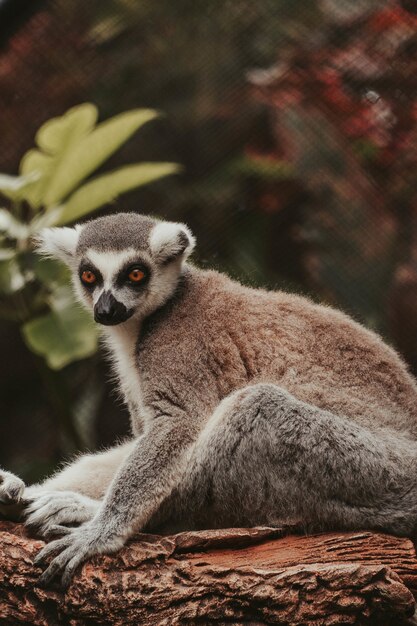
x: 114, y: 284
x: 123, y: 265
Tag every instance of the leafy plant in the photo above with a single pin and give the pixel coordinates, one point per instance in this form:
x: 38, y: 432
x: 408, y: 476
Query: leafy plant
x: 53, y: 188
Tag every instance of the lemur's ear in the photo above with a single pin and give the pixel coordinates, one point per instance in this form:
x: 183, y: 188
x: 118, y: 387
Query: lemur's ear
x: 58, y: 243
x: 170, y: 241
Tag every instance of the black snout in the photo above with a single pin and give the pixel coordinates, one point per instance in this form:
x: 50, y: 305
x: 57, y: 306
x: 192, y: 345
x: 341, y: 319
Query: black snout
x: 109, y: 311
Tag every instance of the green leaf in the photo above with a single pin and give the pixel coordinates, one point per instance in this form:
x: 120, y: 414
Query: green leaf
x: 91, y: 152
x: 42, y: 165
x: 6, y: 254
x: 14, y: 187
x: 44, y: 220
x: 50, y: 272
x: 263, y: 167
x: 71, y: 150
x: 12, y: 278
x: 107, y: 29
x: 11, y: 227
x: 58, y: 133
x: 106, y: 188
x: 55, y: 138
x: 64, y: 335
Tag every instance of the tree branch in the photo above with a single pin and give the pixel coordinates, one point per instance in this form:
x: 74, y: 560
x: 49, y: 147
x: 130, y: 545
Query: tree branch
x: 238, y: 576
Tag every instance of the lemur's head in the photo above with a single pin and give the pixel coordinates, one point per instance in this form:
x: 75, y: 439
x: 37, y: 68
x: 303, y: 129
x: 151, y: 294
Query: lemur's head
x: 123, y: 265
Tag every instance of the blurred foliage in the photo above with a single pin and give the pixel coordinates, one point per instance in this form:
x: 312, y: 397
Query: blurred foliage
x: 344, y: 110
x: 53, y: 188
x: 51, y: 191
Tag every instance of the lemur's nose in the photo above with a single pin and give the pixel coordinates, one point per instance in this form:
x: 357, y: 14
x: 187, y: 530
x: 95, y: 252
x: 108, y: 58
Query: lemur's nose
x: 109, y: 311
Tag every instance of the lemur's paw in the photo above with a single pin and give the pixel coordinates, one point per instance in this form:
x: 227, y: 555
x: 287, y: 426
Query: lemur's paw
x: 74, y: 548
x: 47, y: 510
x: 11, y: 488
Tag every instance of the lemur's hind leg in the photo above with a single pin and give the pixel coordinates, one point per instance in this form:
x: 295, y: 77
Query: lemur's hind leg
x: 272, y: 457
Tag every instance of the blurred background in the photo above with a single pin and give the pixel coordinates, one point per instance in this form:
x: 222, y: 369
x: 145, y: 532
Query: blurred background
x: 296, y: 126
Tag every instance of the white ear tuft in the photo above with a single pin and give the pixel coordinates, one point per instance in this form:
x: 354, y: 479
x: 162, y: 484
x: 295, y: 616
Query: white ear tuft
x: 170, y: 241
x: 58, y: 243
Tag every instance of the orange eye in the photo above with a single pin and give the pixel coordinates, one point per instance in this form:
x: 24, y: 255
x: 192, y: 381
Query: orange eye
x: 88, y: 277
x: 136, y: 275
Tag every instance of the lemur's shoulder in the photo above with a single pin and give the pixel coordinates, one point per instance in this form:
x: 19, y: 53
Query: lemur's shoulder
x: 208, y: 298
x: 206, y: 295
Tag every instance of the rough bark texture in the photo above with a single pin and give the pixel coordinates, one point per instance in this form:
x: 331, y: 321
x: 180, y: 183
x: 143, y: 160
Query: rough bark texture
x: 239, y: 576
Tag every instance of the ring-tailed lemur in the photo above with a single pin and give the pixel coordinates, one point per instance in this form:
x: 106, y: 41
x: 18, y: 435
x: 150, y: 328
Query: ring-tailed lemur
x: 247, y: 406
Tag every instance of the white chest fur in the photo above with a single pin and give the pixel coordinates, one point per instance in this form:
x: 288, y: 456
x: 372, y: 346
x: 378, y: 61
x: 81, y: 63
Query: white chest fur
x: 121, y: 341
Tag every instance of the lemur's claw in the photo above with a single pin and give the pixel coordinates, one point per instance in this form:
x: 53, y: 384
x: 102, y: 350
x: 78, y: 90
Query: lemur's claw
x: 53, y: 513
x: 57, y: 530
x: 70, y: 551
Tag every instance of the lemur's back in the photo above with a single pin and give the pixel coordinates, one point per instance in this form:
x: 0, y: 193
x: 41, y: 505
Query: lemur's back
x: 234, y: 335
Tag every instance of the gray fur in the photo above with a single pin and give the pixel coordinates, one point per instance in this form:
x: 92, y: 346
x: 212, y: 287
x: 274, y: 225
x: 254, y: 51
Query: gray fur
x: 116, y: 232
x: 247, y: 407
x: 11, y: 488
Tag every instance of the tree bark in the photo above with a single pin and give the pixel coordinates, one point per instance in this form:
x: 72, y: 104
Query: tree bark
x: 252, y: 576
